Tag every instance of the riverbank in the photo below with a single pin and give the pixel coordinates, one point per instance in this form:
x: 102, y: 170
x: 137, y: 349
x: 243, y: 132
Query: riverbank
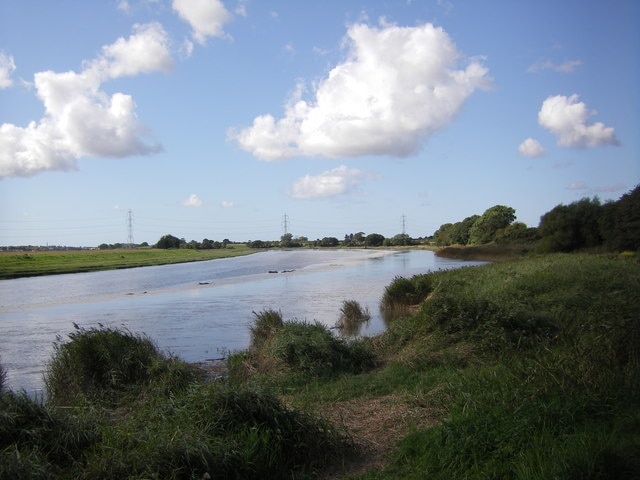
x: 38, y: 263
x: 485, y: 253
x: 524, y: 369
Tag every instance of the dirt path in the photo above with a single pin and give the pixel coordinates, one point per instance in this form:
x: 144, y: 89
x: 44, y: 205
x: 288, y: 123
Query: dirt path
x: 376, y: 425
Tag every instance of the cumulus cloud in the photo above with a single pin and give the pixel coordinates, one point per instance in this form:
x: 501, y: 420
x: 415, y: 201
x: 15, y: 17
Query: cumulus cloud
x: 227, y: 204
x: 330, y: 183
x: 531, y: 148
x: 567, y: 119
x: 568, y: 66
x: 206, y: 17
x: 80, y: 118
x: 192, y: 201
x: 7, y: 67
x: 396, y: 87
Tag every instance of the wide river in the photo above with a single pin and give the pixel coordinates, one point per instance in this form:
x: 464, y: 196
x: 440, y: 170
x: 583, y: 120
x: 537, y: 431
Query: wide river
x: 197, y: 311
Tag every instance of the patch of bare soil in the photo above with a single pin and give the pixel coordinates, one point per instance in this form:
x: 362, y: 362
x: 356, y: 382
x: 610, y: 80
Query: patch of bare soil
x: 375, y: 425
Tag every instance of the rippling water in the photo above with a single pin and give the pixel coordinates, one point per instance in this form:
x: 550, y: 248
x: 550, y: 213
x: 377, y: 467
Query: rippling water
x: 199, y: 310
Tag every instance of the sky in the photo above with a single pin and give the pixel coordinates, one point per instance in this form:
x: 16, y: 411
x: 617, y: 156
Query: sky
x: 243, y: 119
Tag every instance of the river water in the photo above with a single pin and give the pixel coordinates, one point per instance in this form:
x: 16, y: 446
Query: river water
x: 197, y: 311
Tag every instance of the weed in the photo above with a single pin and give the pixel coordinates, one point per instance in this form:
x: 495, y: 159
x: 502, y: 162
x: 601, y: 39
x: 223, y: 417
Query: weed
x: 352, y: 316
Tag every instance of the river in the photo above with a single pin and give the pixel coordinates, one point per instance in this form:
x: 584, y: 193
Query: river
x: 197, y: 311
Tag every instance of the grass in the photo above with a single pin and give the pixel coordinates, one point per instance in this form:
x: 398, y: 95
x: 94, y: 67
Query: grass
x: 352, y: 316
x: 524, y: 369
x: 28, y: 264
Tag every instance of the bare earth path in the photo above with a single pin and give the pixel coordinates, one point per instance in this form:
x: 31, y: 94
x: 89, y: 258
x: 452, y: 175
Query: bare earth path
x: 375, y: 424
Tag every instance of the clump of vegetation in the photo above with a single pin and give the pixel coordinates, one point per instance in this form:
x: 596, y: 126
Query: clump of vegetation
x: 160, y: 421
x: 405, y: 292
x: 107, y: 364
x: 278, y: 347
x: 312, y: 349
x: 36, y: 441
x: 3, y: 378
x: 352, y: 316
x: 266, y: 324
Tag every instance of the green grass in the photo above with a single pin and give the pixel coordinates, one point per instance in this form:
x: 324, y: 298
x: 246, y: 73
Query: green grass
x: 525, y: 369
x: 26, y: 264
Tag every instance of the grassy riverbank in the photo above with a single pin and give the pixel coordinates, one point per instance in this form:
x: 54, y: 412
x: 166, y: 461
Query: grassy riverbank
x: 523, y: 369
x: 36, y: 263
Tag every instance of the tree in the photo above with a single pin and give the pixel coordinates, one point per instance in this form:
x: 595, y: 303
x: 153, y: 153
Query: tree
x: 516, y: 233
x: 493, y: 219
x: 168, y: 241
x: 571, y: 227
x: 442, y: 236
x: 626, y: 226
x: 286, y: 240
x: 374, y: 240
x: 329, y: 242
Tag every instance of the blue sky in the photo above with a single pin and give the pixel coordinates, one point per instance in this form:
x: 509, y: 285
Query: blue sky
x: 216, y: 118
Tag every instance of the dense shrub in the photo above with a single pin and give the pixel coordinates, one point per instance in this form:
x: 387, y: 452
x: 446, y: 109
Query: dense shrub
x: 105, y: 363
x: 265, y: 325
x: 404, y: 292
x: 312, y: 349
x: 36, y: 440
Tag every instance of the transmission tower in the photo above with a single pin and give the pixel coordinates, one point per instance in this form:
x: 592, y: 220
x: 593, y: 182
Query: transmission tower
x: 404, y: 225
x: 130, y: 228
x: 285, y: 223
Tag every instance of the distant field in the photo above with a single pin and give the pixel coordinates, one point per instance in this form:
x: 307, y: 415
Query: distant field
x: 30, y: 264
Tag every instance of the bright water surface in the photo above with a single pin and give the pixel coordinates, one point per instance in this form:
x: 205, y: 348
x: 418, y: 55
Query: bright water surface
x: 200, y: 310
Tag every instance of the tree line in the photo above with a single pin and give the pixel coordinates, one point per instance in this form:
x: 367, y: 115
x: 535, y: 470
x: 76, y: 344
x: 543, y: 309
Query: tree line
x: 585, y: 224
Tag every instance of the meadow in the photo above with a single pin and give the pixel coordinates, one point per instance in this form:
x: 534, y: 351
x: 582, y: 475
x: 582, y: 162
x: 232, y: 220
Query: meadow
x: 523, y: 369
x: 36, y: 263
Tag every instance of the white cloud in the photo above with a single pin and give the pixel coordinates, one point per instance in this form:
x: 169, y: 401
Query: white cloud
x: 568, y: 66
x: 531, y: 148
x: 227, y: 204
x: 146, y: 51
x: 7, y: 67
x: 331, y: 183
x: 192, y: 201
x: 577, y: 186
x: 566, y: 118
x: 80, y: 118
x: 397, y: 86
x: 206, y: 17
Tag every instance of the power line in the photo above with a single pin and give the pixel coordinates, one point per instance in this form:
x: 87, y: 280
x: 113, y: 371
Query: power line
x: 130, y: 228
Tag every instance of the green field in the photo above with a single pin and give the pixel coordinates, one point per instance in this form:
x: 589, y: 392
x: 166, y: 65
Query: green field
x: 29, y: 264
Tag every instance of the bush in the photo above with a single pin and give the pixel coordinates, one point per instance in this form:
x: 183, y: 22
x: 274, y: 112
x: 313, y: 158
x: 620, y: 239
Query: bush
x: 265, y: 325
x: 405, y: 292
x: 312, y: 349
x: 104, y: 363
x: 35, y: 439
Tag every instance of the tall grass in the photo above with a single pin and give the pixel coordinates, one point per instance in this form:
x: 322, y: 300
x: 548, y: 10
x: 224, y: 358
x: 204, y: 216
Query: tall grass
x: 551, y: 386
x: 310, y: 349
x: 109, y: 364
x: 352, y: 316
